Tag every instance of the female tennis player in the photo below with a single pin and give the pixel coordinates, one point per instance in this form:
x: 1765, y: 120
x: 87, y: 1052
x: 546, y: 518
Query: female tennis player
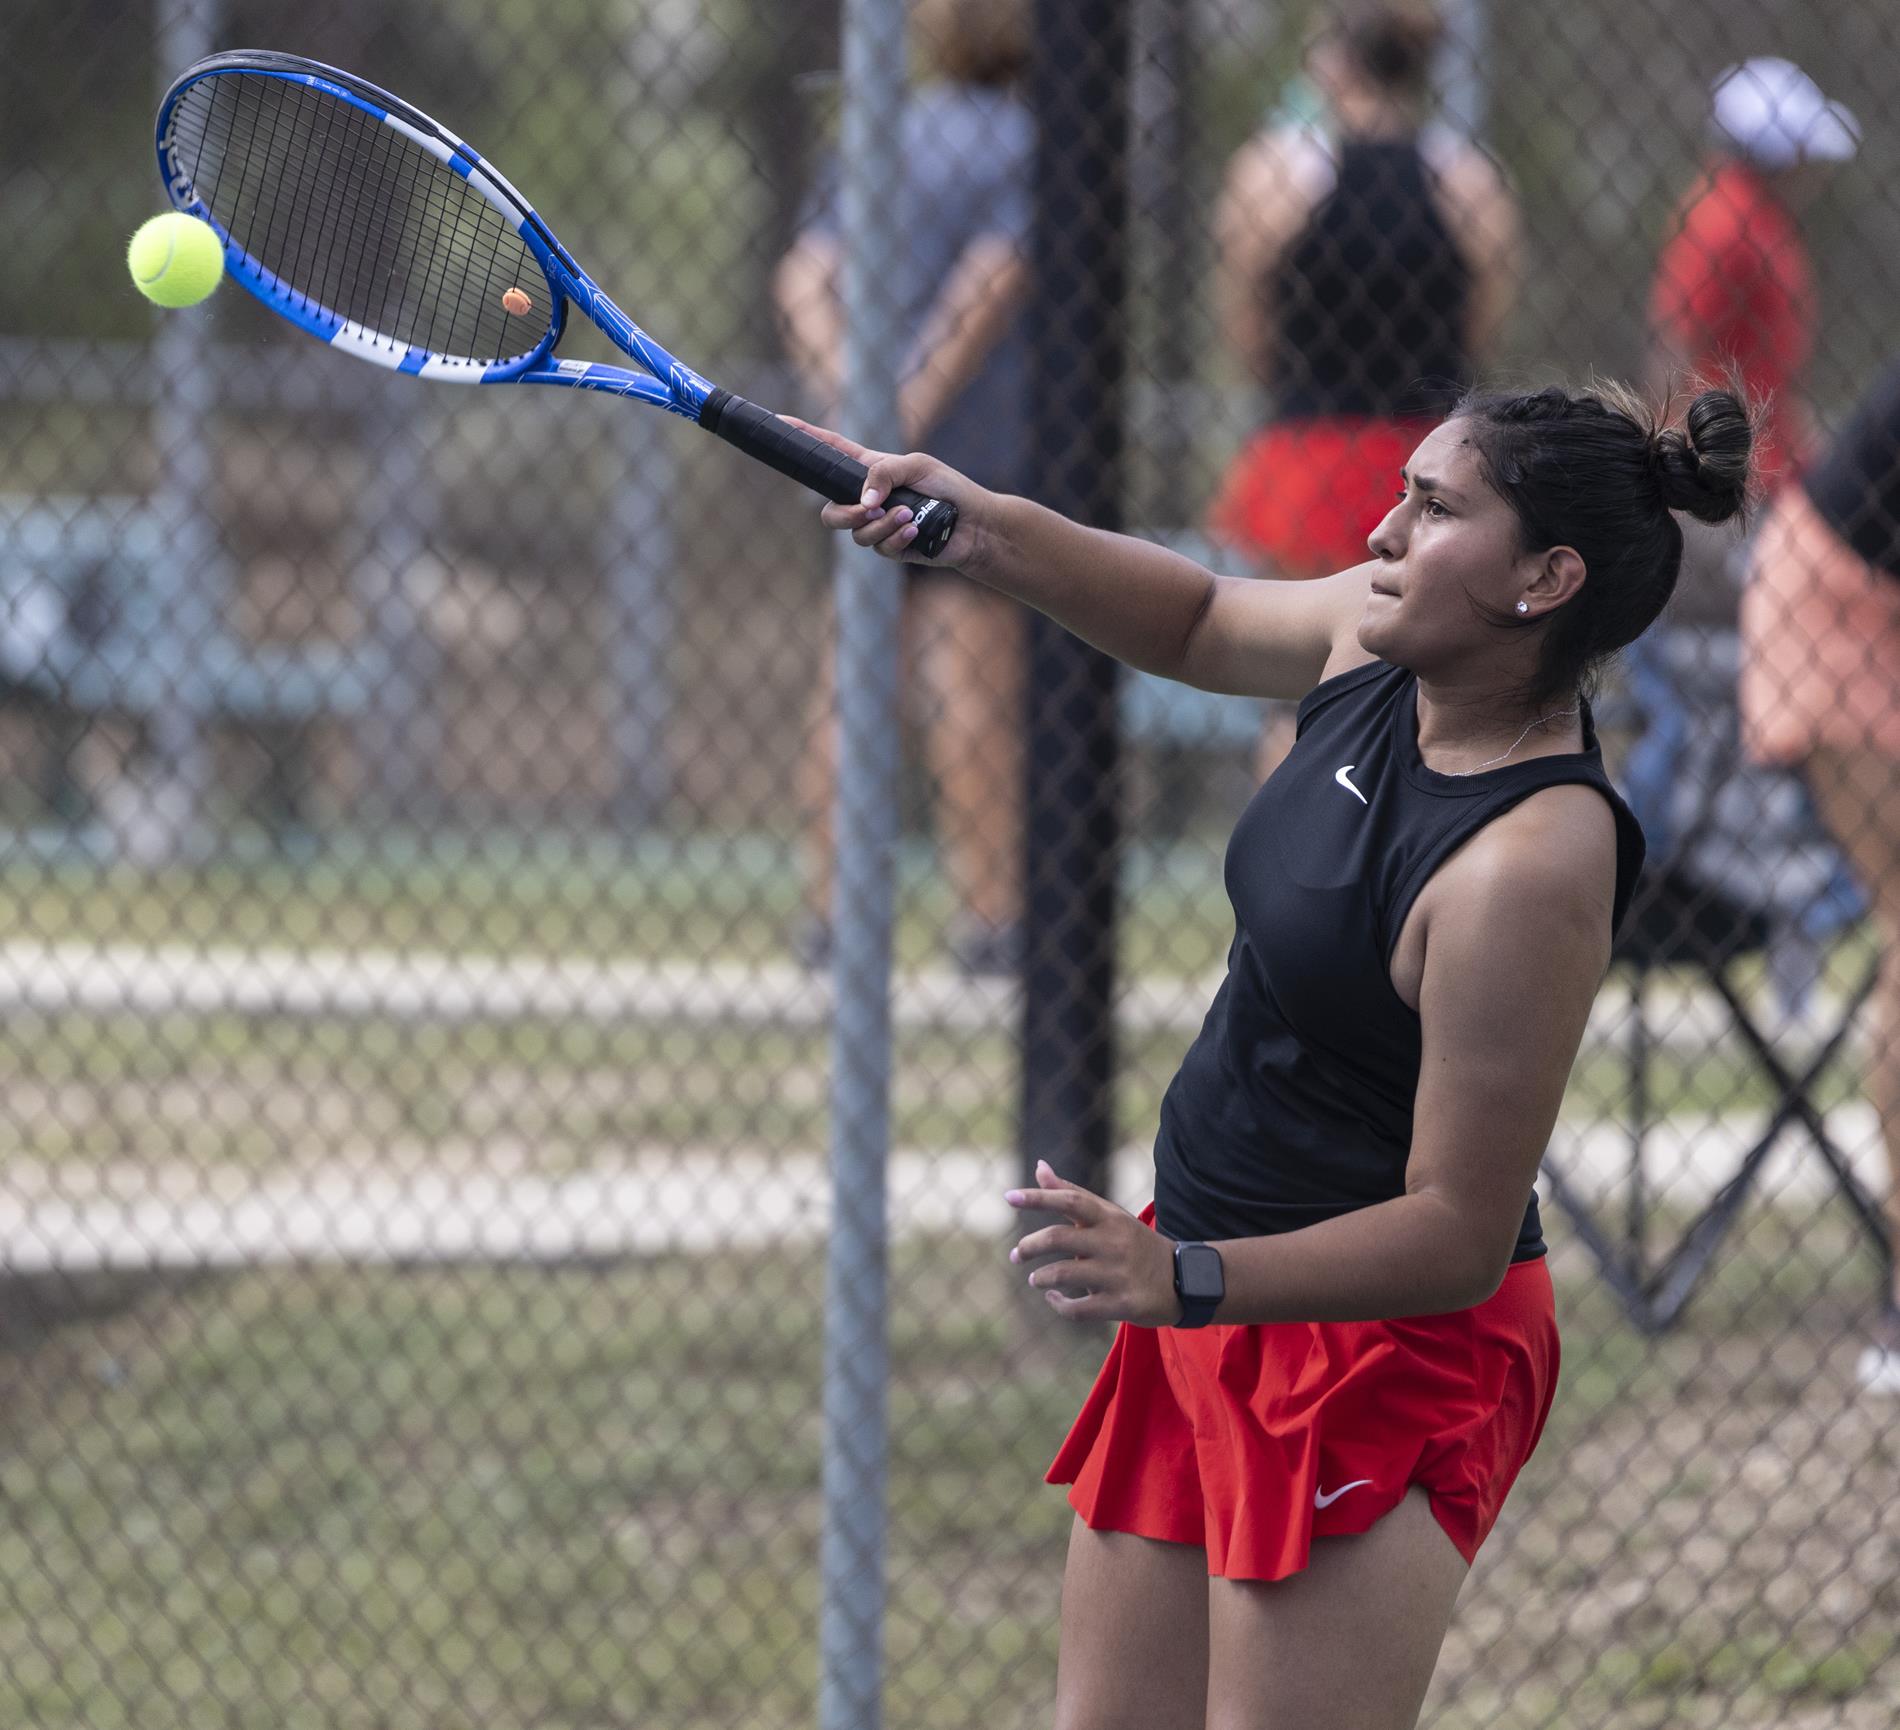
x: 1338, y: 1341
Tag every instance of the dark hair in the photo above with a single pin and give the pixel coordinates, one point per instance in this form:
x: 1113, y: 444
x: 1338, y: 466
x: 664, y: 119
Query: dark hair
x: 1601, y: 471
x: 1390, y: 43
x: 983, y: 42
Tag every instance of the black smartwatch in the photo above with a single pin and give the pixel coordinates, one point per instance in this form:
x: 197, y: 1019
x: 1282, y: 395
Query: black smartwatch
x: 1200, y: 1282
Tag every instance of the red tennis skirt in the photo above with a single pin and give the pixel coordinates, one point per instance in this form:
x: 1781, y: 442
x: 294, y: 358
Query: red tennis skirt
x: 1305, y: 494
x: 1253, y: 1441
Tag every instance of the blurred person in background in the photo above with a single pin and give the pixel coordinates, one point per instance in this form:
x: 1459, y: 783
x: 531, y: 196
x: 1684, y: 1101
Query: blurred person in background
x: 1820, y: 692
x: 967, y: 157
x: 1367, y: 261
x: 1734, y: 287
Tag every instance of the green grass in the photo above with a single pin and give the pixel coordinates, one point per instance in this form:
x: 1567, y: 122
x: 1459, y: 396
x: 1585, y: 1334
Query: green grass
x: 693, y: 901
x: 1759, y: 1668
x: 571, y: 1497
x: 1779, y: 1263
x: 253, y: 1089
x: 189, y: 1087
x: 457, y: 1499
x: 494, y: 901
x: 696, y: 900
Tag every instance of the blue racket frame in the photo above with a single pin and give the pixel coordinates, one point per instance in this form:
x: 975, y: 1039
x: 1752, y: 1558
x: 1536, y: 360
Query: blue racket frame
x: 666, y: 382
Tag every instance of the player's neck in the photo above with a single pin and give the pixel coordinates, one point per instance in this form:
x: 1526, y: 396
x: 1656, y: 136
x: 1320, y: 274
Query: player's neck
x: 1461, y: 726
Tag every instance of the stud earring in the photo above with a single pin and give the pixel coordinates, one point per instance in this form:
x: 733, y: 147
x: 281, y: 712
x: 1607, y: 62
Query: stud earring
x: 1523, y: 606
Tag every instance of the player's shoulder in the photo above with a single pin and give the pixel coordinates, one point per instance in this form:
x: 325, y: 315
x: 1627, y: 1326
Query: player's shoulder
x: 1552, y: 853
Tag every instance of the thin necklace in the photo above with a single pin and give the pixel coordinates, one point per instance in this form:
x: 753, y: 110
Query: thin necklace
x: 1542, y: 721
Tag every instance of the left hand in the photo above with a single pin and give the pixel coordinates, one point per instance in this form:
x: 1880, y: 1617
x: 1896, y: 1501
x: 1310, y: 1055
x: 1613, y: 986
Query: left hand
x: 1113, y: 1268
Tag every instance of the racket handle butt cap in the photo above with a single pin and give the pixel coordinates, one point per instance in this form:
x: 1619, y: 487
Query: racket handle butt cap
x: 936, y: 520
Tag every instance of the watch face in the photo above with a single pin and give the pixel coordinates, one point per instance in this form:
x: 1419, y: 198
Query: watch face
x: 1201, y: 1273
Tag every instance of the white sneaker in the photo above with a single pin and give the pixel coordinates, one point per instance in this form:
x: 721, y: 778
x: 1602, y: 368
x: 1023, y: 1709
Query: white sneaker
x: 1879, y: 1369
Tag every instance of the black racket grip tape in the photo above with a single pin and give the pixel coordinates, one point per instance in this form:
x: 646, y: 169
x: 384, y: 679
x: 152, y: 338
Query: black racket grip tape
x: 761, y: 434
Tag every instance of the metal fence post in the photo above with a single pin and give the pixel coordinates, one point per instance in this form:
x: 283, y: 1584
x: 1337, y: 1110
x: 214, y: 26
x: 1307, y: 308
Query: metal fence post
x: 869, y: 595
x: 396, y: 734
x: 639, y: 560
x: 1073, y: 829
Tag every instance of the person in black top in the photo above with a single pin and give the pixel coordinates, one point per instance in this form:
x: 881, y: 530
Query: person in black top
x: 1820, y: 693
x: 1367, y: 258
x: 1338, y: 1338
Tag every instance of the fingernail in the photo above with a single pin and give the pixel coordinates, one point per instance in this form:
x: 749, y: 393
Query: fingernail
x: 906, y: 534
x: 903, y: 513
x: 873, y: 514
x: 872, y: 496
x: 1044, y: 1165
x: 1014, y: 1197
x: 1012, y: 1255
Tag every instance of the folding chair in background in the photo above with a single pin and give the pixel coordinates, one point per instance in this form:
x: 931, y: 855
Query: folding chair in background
x: 1739, y: 868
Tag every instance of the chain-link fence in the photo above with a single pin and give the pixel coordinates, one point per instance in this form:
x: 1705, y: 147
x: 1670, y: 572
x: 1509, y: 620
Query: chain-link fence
x: 418, y: 1093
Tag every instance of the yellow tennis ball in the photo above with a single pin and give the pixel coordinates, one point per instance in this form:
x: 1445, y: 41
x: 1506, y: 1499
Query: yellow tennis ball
x: 175, y: 259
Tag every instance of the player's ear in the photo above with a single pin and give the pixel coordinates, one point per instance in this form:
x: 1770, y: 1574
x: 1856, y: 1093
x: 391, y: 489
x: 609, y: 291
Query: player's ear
x: 1557, y: 574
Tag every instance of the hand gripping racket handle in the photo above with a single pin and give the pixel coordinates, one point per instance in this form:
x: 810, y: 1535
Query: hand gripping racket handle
x: 760, y: 433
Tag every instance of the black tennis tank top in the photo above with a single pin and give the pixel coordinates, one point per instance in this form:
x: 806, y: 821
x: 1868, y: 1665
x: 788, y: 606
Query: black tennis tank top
x: 1371, y: 300
x: 1856, y: 486
x: 1294, y: 1103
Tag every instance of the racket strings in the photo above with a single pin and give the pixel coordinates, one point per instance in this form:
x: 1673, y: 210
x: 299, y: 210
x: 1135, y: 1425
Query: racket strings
x: 355, y: 218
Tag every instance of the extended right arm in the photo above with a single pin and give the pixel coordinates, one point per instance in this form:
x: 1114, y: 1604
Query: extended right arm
x: 1161, y: 612
x: 1134, y: 600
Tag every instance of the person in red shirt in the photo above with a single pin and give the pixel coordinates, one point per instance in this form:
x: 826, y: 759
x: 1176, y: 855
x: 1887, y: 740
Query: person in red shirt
x: 1734, y: 288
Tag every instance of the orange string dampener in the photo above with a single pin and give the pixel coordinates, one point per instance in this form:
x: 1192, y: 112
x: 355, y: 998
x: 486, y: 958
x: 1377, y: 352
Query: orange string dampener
x: 514, y: 301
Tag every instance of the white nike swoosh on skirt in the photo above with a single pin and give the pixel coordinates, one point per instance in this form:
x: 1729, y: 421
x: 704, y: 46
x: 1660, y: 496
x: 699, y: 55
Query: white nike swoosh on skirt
x: 1321, y: 1499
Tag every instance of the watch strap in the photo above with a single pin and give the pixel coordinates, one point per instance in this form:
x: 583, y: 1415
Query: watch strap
x: 1197, y: 1315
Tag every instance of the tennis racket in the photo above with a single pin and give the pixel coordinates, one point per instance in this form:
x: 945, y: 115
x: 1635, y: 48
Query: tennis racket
x: 362, y: 221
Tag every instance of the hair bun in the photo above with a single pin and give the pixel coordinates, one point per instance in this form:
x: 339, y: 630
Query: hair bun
x: 1706, y: 469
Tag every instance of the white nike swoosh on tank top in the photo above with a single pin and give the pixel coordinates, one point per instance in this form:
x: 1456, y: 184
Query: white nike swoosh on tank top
x: 1342, y: 777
